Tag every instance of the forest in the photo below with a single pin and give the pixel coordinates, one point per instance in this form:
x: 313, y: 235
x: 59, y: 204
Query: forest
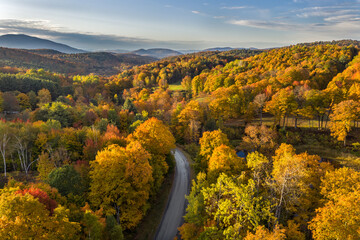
x: 273, y: 137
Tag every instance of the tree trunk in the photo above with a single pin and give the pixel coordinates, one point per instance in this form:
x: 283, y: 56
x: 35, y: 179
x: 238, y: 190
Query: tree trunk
x: 284, y: 122
x: 117, y: 209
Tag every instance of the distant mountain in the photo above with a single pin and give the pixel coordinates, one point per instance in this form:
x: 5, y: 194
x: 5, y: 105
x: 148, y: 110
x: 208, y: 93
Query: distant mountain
x: 157, y: 52
x: 27, y: 42
x: 117, y: 51
x: 101, y: 63
x: 220, y: 49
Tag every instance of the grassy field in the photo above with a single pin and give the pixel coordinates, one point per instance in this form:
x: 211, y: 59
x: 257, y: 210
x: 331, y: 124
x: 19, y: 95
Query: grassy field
x: 337, y: 157
x: 176, y: 87
x: 290, y: 122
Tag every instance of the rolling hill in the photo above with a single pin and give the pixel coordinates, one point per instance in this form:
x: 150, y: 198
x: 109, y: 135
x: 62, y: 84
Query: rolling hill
x: 157, y: 52
x: 101, y: 63
x: 22, y: 41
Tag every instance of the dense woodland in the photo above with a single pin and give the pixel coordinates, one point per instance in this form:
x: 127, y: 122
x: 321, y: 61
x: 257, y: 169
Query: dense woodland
x: 83, y: 156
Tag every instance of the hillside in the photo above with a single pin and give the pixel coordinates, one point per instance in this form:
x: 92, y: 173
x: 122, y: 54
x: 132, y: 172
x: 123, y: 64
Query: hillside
x: 157, y: 52
x: 22, y: 41
x: 101, y: 63
x: 25, y: 59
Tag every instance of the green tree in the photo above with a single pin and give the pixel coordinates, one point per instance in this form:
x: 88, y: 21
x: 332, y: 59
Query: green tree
x: 235, y: 207
x: 66, y: 180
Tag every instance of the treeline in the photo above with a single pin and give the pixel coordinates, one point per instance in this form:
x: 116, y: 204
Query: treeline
x: 174, y: 69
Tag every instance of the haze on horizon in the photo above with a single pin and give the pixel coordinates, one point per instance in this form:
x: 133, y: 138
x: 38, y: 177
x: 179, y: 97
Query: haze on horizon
x: 186, y: 24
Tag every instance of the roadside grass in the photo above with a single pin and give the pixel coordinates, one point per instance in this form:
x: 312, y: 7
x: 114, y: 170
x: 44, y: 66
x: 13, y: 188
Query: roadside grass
x: 337, y: 157
x: 146, y: 230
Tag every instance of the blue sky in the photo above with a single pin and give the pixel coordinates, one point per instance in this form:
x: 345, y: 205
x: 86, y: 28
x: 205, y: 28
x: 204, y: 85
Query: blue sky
x: 181, y: 24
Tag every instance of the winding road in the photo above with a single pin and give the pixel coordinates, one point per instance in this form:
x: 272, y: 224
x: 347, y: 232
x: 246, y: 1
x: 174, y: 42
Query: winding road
x: 175, y: 209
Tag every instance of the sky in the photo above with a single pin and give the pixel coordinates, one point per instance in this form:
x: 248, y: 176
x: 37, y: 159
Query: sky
x: 181, y: 24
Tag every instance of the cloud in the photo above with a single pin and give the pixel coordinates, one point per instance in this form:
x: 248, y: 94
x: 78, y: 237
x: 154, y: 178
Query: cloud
x: 195, y: 12
x: 235, y: 7
x: 87, y: 41
x: 343, y: 18
x: 339, y: 27
x: 326, y: 11
x: 274, y: 25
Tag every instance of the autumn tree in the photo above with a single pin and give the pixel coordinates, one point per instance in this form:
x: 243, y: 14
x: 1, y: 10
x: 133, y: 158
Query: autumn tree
x: 260, y: 138
x: 44, y: 97
x: 156, y: 139
x: 343, y: 115
x: 264, y: 233
x: 23, y: 216
x: 281, y: 105
x: 234, y: 207
x: 210, y: 141
x: 191, y: 118
x: 339, y: 217
x: 41, y: 196
x: 120, y: 182
x: 225, y: 160
x: 259, y: 102
x: 296, y: 181
x: 24, y: 101
x: 259, y: 165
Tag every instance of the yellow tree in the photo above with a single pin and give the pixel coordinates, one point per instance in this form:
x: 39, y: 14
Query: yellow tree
x: 120, y: 182
x: 225, y: 160
x: 154, y: 136
x: 259, y: 165
x: 264, y: 234
x: 281, y: 105
x: 260, y: 138
x: 190, y: 118
x: 44, y: 166
x: 343, y: 115
x: 340, y: 217
x: 24, y: 217
x: 296, y: 181
x: 44, y: 97
x: 157, y: 139
x: 210, y: 141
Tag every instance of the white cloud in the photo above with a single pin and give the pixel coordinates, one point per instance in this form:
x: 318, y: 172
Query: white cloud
x: 342, y: 18
x: 234, y: 7
x: 274, y: 25
x: 195, y: 12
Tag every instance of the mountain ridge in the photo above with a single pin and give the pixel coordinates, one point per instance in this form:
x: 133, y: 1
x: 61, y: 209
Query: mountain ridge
x: 22, y: 41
